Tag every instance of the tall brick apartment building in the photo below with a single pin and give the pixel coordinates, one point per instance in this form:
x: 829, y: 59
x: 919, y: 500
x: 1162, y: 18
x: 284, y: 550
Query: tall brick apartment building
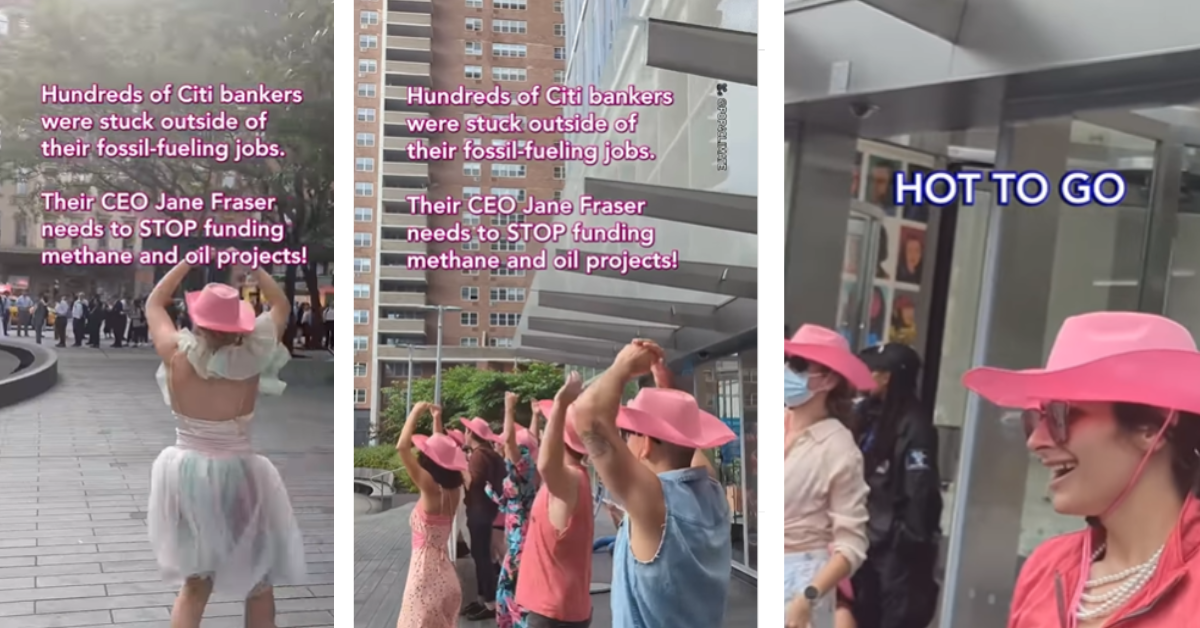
x: 515, y: 44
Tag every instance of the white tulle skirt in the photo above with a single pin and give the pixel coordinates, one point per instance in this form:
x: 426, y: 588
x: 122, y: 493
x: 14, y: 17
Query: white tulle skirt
x: 224, y: 516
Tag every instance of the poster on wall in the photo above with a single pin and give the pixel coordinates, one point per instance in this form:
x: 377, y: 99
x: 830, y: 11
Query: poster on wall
x: 914, y: 211
x: 880, y: 175
x: 903, y: 327
x: 887, y: 250
x: 910, y: 264
x: 878, y: 315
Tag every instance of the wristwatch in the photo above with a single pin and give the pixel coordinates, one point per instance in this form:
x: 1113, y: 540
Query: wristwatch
x: 812, y: 593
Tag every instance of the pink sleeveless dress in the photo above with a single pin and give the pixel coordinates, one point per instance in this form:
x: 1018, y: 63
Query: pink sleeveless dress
x: 432, y: 594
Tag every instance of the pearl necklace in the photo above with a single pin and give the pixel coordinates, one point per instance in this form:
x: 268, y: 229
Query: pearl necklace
x: 1132, y: 580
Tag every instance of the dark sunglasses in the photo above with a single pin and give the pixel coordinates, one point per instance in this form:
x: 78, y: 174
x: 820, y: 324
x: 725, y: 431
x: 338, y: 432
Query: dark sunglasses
x: 1055, y: 414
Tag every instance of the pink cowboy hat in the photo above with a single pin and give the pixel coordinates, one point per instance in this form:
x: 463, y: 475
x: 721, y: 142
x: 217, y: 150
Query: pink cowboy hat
x: 458, y: 437
x: 219, y: 307
x: 570, y: 436
x: 442, y: 450
x: 1104, y: 356
x: 673, y: 416
x: 828, y: 348
x: 480, y: 428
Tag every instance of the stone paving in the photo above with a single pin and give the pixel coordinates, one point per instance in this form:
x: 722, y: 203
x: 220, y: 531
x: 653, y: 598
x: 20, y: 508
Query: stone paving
x: 382, y: 545
x: 74, y: 482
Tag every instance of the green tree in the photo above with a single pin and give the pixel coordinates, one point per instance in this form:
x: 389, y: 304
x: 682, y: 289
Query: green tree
x: 468, y: 392
x: 240, y: 43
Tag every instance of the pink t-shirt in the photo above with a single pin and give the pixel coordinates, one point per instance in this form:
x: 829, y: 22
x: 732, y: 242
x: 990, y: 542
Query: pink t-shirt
x: 556, y: 569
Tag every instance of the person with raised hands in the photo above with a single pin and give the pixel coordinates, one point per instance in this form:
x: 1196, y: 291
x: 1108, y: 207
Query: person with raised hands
x: 556, y: 564
x: 515, y: 499
x: 672, y: 554
x: 436, y: 464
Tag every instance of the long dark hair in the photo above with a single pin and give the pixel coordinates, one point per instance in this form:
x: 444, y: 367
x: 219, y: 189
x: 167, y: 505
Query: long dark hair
x: 900, y: 398
x: 1182, y: 440
x: 445, y: 478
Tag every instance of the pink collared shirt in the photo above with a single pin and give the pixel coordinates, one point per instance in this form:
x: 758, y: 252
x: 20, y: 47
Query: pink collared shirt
x: 825, y: 495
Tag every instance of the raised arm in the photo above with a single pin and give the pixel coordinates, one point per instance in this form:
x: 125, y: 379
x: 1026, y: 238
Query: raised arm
x: 632, y: 483
x: 560, y: 480
x: 535, y: 412
x: 408, y: 457
x: 162, y: 328
x: 511, y: 450
x: 281, y: 308
x: 438, y: 426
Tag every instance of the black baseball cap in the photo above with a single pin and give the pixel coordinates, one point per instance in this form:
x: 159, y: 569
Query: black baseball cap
x: 892, y: 357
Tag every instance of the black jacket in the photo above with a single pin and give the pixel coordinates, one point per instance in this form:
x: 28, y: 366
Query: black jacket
x: 905, y: 503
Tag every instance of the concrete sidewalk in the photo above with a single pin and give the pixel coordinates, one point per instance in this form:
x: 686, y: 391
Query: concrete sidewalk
x: 383, y: 544
x: 74, y: 482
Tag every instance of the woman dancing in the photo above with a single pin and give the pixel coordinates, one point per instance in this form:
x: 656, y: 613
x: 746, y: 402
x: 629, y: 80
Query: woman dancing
x: 520, y: 487
x: 432, y: 592
x: 220, y: 518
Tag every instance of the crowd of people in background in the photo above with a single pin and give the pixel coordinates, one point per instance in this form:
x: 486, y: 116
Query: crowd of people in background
x: 530, y: 517
x: 87, y: 321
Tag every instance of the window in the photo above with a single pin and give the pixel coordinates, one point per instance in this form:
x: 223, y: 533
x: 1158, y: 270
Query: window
x: 515, y: 75
x: 364, y: 164
x: 560, y: 30
x: 474, y: 4
x: 473, y: 71
x: 560, y: 76
x: 503, y: 220
x: 558, y: 6
x: 475, y: 24
x: 360, y: 343
x: 504, y: 116
x: 515, y: 5
x: 475, y: 141
x: 509, y: 26
x: 504, y: 319
x: 364, y: 140
x: 366, y: 90
x: 470, y: 220
x: 362, y: 239
x: 368, y: 66
x: 506, y: 246
x: 469, y: 116
x: 470, y: 192
x: 519, y: 143
x: 560, y: 173
x: 360, y: 369
x: 468, y: 319
x: 469, y: 341
x: 362, y: 214
x: 472, y: 170
x: 508, y: 295
x: 500, y: 342
x: 560, y: 53
x: 361, y: 317
x: 473, y: 49
x: 360, y: 396
x: 469, y: 293
x: 368, y: 42
x: 508, y: 171
x: 368, y: 18
x: 362, y: 188
x: 558, y: 195
x: 362, y: 290
x: 517, y: 193
x: 507, y: 272
x: 516, y: 51
x: 471, y: 273
x: 366, y: 114
x: 471, y: 245
x: 362, y: 264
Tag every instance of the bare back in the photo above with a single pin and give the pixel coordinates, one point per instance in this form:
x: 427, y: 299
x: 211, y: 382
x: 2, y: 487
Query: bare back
x: 213, y: 399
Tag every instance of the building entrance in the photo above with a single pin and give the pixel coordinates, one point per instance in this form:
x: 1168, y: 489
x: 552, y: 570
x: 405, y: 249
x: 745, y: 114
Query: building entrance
x: 991, y: 285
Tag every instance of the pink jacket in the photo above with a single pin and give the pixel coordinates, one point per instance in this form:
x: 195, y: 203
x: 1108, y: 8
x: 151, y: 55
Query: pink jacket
x: 1171, y: 599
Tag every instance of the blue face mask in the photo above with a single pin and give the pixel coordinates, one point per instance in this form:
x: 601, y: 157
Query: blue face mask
x: 795, y: 388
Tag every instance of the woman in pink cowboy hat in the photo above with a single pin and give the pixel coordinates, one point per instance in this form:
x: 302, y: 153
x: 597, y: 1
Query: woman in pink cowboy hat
x: 825, y: 494
x: 514, y: 498
x: 436, y: 465
x: 1115, y: 415
x: 486, y: 467
x: 672, y: 553
x: 219, y: 515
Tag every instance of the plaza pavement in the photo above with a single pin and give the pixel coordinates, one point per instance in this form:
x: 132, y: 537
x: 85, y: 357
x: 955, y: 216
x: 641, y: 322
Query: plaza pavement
x: 383, y: 544
x: 74, y: 482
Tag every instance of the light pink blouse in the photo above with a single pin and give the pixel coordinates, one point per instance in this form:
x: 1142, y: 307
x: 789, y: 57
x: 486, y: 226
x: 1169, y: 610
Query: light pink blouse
x: 825, y: 495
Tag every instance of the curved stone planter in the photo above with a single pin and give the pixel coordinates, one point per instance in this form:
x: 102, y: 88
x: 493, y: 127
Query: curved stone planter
x: 37, y: 372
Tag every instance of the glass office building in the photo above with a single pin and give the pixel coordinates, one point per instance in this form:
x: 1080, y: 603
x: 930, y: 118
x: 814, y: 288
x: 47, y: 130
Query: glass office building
x: 1073, y: 85
x: 705, y: 312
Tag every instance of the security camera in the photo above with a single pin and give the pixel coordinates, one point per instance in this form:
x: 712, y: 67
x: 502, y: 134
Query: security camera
x: 863, y: 110
x: 703, y: 355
